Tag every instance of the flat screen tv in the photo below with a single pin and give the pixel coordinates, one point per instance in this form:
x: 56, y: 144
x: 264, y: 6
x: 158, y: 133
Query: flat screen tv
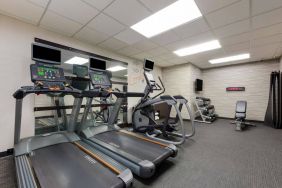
x: 97, y: 64
x: 45, y: 54
x: 199, y: 85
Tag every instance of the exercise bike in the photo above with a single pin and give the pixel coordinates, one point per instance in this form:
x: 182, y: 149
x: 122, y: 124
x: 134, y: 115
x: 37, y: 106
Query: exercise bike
x: 143, y: 116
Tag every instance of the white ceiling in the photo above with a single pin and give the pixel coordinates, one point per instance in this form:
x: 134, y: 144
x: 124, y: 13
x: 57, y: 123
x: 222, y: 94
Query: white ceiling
x: 253, y: 26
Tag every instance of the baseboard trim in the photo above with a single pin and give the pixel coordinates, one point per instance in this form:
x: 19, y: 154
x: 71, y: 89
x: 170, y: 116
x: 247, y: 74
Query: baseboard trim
x: 7, y: 153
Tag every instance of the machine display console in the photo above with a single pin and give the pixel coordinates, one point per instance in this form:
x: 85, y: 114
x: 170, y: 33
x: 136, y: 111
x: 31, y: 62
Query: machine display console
x: 48, y: 74
x: 100, y: 78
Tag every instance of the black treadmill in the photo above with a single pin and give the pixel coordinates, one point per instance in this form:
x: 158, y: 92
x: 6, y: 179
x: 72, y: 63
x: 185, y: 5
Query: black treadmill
x: 139, y: 153
x: 60, y: 159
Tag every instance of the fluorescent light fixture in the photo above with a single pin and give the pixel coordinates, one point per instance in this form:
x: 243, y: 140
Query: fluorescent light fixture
x: 77, y: 60
x: 211, y: 45
x: 174, y: 15
x: 230, y: 58
x: 116, y: 68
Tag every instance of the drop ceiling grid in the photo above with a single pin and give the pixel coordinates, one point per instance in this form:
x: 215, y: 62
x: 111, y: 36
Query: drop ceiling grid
x: 256, y: 19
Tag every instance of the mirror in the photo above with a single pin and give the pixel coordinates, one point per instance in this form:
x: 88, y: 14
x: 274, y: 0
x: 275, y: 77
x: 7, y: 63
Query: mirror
x: 53, y: 111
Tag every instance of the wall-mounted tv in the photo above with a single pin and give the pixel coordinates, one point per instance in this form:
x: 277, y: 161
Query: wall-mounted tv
x: 199, y: 85
x: 97, y: 64
x: 46, y: 54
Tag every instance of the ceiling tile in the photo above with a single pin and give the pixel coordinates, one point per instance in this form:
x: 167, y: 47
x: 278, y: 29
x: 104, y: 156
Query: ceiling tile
x: 129, y: 36
x: 128, y: 51
x: 267, y: 31
x: 233, y: 29
x: 232, y: 13
x: 192, y: 28
x: 91, y: 36
x: 264, y: 52
x: 128, y: 12
x: 260, y: 6
x: 267, y: 40
x: 156, y: 5
x: 157, y: 51
x: 141, y: 56
x: 207, y: 6
x: 98, y: 3
x: 236, y: 39
x: 23, y: 10
x: 75, y: 10
x: 165, y: 38
x: 168, y: 55
x: 145, y: 45
x: 42, y: 3
x: 205, y: 56
x: 204, y: 37
x: 267, y: 19
x: 59, y: 24
x: 106, y: 24
x: 113, y: 44
x: 177, y: 61
x: 241, y: 47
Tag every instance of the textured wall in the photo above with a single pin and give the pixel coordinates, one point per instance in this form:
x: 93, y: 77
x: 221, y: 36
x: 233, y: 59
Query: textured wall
x: 180, y: 80
x: 253, y: 76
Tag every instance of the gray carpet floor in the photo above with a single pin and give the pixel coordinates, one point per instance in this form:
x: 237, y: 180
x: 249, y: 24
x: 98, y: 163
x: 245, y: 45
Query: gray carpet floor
x: 218, y: 156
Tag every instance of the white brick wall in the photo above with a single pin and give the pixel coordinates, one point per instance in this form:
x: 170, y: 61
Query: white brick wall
x: 179, y: 80
x: 254, y: 76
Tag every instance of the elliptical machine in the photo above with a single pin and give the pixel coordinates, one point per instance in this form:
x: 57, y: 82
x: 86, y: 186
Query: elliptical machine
x: 143, y: 115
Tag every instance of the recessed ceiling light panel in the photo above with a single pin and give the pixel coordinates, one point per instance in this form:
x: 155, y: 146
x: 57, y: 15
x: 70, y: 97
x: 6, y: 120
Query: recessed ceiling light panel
x: 211, y: 45
x: 174, y: 15
x: 230, y: 58
x: 116, y: 68
x: 77, y: 61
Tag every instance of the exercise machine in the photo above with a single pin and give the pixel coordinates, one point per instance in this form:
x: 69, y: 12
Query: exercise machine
x: 205, y: 112
x: 140, y: 154
x: 143, y: 116
x: 59, y: 159
x: 240, y: 116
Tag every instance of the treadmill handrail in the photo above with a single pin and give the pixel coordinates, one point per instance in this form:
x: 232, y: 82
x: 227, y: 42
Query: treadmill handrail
x: 25, y: 90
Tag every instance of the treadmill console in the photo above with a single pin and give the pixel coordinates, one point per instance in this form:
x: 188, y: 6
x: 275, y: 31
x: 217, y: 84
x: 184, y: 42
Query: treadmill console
x: 47, y: 77
x: 99, y: 78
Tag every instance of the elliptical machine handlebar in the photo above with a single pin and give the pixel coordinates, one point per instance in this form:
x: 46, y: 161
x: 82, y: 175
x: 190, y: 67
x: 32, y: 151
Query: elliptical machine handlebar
x: 161, y: 88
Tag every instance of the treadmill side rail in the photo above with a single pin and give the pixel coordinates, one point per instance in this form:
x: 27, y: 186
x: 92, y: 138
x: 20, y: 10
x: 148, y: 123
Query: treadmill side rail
x: 30, y: 144
x: 25, y: 177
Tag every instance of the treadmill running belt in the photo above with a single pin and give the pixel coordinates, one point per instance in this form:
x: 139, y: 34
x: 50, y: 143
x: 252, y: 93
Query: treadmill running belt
x: 135, y: 146
x: 66, y: 166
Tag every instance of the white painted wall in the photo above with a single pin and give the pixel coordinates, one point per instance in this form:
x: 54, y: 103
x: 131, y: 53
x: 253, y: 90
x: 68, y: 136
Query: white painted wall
x: 254, y: 76
x: 15, y: 57
x: 180, y: 80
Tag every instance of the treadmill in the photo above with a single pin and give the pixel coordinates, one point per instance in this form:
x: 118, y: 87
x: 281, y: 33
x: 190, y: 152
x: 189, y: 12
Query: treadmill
x: 137, y: 152
x: 60, y: 159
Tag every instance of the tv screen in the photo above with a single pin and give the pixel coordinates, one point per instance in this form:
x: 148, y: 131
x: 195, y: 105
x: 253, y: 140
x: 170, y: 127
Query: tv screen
x: 199, y: 85
x: 149, y: 65
x: 97, y: 64
x: 46, y: 55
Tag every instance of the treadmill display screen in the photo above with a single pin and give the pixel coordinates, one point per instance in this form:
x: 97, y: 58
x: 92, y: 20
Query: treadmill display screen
x: 46, y: 73
x: 100, y: 78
